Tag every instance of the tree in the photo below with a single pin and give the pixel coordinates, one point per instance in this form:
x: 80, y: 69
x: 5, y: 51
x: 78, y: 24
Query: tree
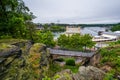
x: 75, y: 42
x: 31, y: 32
x: 45, y: 38
x: 116, y: 28
x: 63, y: 41
x: 14, y: 15
x: 86, y: 41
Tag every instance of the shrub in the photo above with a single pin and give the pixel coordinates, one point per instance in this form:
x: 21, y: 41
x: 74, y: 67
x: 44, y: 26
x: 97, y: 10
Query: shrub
x: 46, y: 78
x: 59, y: 59
x: 70, y: 62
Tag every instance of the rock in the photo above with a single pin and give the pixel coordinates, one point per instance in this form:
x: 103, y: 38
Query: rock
x: 9, y: 50
x: 64, y: 75
x: 106, y: 68
x: 95, y: 60
x: 85, y: 73
x: 90, y: 73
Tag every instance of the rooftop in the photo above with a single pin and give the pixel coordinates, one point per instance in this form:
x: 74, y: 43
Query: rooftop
x: 112, y: 33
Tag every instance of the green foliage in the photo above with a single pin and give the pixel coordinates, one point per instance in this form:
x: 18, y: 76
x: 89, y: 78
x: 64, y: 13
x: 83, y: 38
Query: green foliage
x: 75, y: 42
x: 63, y: 40
x: 87, y: 41
x: 53, y: 28
x: 56, y: 28
x: 111, y: 56
x: 108, y: 76
x: 114, y: 43
x: 13, y: 19
x: 5, y: 37
x: 46, y: 78
x: 74, y: 69
x: 116, y: 28
x: 54, y: 68
x: 45, y: 38
x: 70, y: 62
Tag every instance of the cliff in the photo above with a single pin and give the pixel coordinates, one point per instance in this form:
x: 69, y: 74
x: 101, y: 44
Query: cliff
x: 22, y: 60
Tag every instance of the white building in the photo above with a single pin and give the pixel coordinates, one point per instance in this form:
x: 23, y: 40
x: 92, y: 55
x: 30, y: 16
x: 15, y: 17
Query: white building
x: 70, y: 30
x: 111, y: 35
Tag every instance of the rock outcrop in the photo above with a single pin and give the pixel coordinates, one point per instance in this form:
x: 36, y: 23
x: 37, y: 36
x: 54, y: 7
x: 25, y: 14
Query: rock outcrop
x: 95, y: 60
x: 22, y: 60
x: 85, y: 73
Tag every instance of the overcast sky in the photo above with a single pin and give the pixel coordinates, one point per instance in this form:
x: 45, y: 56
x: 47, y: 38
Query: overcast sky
x: 75, y: 11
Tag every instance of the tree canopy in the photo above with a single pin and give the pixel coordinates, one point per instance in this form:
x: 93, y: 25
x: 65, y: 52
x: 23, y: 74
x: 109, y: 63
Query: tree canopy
x: 116, y: 28
x: 45, y: 38
x: 13, y: 19
x: 75, y: 42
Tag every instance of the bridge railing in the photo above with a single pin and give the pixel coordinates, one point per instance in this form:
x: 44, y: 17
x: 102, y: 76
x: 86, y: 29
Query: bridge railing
x: 70, y: 53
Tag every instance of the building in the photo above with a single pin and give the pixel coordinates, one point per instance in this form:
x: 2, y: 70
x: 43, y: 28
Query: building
x: 70, y: 30
x: 111, y: 35
x: 40, y: 27
x: 106, y: 36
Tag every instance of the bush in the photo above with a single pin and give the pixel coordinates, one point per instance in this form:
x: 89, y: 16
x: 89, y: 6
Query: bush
x: 70, y: 62
x: 59, y: 59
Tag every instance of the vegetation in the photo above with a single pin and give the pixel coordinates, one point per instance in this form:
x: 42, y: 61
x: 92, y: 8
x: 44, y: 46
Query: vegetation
x: 109, y: 76
x: 114, y: 43
x: 16, y: 22
x: 56, y: 28
x: 75, y: 42
x: 54, y: 68
x: 116, y: 28
x: 70, y: 62
x: 53, y: 27
x: 14, y: 18
x: 111, y: 57
x: 45, y: 38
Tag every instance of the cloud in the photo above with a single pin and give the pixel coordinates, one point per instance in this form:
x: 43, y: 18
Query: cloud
x: 77, y: 11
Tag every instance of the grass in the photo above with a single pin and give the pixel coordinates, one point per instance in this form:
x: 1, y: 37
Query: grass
x: 7, y: 43
x: 74, y: 69
x: 4, y: 46
x: 11, y: 41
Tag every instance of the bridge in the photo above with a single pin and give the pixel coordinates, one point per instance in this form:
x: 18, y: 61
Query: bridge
x: 70, y: 53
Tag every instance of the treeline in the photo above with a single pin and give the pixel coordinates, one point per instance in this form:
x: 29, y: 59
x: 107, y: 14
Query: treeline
x: 52, y: 27
x: 76, y: 25
x: 116, y: 27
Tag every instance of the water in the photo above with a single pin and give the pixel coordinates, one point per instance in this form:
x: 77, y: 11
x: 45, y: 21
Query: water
x: 86, y: 30
x: 92, y: 30
x: 57, y: 34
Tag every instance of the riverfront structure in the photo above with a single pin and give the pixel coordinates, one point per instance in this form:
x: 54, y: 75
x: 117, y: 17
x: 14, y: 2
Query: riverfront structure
x: 70, y: 30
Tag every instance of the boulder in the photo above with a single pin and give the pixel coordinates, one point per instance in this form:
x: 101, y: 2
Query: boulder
x: 85, y: 73
x: 89, y: 73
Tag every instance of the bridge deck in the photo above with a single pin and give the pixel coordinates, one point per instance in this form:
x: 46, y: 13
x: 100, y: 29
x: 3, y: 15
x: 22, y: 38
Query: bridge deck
x: 70, y: 53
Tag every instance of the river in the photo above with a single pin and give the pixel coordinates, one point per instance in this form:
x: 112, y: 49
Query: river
x: 86, y: 30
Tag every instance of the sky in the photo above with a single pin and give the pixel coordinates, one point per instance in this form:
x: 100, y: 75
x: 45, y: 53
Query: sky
x: 75, y: 11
